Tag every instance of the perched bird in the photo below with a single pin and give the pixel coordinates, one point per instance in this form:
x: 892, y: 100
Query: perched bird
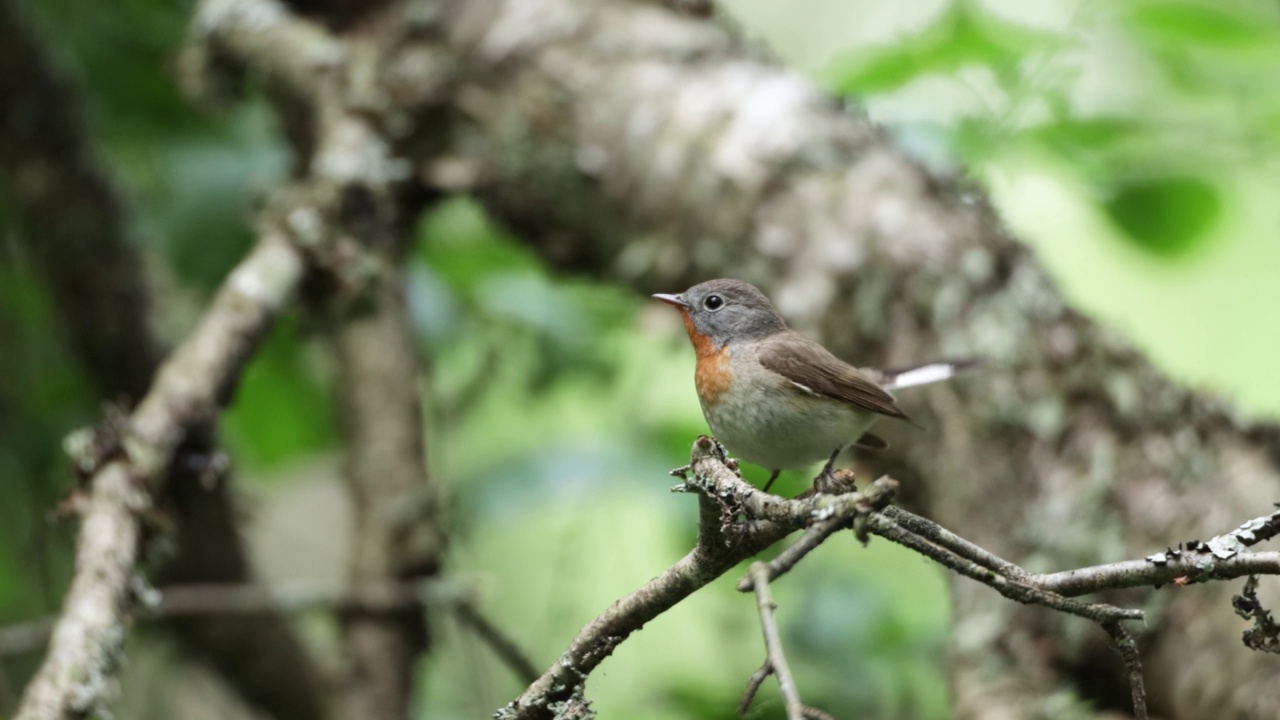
x: 772, y: 396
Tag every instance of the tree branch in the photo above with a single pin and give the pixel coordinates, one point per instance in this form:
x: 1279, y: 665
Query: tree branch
x: 72, y: 222
x: 395, y: 531
x: 188, y: 390
x: 251, y: 599
x: 1128, y: 650
x: 70, y: 216
x: 721, y: 545
x: 737, y: 520
x: 637, y: 145
x: 776, y: 660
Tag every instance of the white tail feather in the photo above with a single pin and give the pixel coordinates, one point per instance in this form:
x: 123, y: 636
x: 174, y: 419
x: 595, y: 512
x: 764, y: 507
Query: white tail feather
x: 923, y: 375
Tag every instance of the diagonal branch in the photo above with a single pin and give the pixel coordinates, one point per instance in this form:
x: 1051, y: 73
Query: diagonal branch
x: 776, y: 661
x: 1128, y: 649
x: 72, y: 222
x: 189, y: 389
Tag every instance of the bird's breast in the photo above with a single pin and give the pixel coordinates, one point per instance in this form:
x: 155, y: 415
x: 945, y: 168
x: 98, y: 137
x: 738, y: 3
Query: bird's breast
x: 713, y: 376
x: 764, y: 419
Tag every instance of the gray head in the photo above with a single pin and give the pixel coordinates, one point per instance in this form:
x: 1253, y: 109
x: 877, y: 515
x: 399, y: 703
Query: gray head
x: 724, y: 310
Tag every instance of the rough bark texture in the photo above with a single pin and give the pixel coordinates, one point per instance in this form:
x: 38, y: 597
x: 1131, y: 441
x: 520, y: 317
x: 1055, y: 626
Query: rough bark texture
x: 396, y: 535
x: 634, y: 144
x: 72, y: 221
x: 396, y: 532
x: 188, y: 390
x: 629, y: 142
x: 71, y: 218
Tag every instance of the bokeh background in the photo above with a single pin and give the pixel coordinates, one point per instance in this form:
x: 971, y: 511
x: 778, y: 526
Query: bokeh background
x: 1135, y: 145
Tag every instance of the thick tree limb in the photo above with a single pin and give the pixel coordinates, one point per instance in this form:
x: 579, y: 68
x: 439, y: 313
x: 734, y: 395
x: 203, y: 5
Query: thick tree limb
x: 396, y: 534
x: 635, y: 144
x: 627, y: 141
x: 395, y: 531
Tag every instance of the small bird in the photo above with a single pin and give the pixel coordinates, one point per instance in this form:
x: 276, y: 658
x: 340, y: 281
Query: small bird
x: 772, y: 396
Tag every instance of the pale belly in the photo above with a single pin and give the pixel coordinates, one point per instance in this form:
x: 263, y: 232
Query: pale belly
x: 777, y: 428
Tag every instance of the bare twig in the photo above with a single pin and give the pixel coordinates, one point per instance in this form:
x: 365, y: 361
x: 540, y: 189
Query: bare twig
x: 248, y: 599
x: 719, y: 548
x: 877, y: 497
x: 940, y: 536
x: 777, y: 659
x: 1223, y: 557
x: 795, y: 552
x: 1014, y: 590
x: 1128, y: 649
x: 502, y: 645
x: 753, y: 686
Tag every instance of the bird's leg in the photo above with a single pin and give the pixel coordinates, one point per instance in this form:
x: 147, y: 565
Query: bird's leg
x: 823, y: 482
x: 772, y: 477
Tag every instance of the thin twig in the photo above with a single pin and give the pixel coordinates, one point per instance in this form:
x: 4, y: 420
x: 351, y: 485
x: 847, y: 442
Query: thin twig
x: 248, y: 599
x: 1128, y: 649
x: 1099, y: 612
x: 773, y: 642
x: 942, y: 537
x: 753, y: 686
x: 877, y: 497
x: 502, y: 645
x: 795, y: 552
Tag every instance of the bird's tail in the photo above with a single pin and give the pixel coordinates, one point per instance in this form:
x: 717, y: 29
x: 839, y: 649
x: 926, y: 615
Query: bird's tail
x: 898, y: 378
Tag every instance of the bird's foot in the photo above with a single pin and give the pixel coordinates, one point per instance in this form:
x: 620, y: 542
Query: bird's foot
x: 836, y: 482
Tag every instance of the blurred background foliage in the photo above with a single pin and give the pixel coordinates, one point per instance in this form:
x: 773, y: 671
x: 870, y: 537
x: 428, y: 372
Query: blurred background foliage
x: 1135, y: 144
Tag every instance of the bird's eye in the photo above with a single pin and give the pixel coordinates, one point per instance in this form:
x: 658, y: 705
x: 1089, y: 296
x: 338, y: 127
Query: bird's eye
x: 713, y: 302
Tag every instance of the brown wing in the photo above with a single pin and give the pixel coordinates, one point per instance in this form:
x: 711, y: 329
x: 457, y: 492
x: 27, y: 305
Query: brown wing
x: 809, y: 365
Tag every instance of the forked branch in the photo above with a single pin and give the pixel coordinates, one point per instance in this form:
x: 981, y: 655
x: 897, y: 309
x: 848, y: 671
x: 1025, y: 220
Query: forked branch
x: 736, y: 521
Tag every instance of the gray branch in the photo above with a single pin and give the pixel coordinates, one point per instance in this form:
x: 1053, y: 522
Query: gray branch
x: 189, y: 389
x: 737, y: 521
x: 776, y: 661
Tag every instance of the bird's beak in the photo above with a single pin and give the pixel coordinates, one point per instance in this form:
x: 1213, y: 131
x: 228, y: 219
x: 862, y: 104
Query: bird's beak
x: 673, y: 300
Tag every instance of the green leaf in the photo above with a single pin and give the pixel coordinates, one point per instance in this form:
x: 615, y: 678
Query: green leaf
x: 1098, y: 146
x: 1196, y: 23
x: 1095, y: 133
x: 281, y: 410
x: 464, y: 248
x: 1166, y: 216
x: 963, y: 35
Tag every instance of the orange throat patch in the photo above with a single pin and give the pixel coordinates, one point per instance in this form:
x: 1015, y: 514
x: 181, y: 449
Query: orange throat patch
x: 713, y: 375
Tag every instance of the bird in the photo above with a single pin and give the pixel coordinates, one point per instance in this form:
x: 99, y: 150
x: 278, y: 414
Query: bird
x: 776, y: 398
